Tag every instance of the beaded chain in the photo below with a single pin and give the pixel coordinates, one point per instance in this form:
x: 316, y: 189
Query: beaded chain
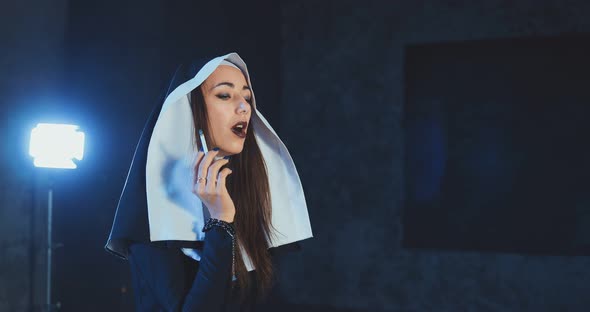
x: 211, y: 222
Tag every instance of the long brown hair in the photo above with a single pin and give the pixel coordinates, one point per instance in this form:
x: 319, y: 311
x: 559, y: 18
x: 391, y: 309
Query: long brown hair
x: 249, y: 189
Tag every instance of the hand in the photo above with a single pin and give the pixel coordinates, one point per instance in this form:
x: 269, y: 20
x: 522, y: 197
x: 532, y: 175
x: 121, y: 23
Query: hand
x: 211, y: 189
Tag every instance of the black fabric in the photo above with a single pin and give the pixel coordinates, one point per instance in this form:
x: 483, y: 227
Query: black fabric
x: 164, y: 279
x: 131, y: 218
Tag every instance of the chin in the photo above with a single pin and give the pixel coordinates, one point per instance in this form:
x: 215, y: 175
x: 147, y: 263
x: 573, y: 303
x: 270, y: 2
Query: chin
x: 233, y: 149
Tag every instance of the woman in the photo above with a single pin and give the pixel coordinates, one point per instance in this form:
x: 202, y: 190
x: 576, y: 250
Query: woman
x: 199, y: 229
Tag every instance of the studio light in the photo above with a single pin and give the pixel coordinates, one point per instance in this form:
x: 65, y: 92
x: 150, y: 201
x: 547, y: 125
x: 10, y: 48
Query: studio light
x: 56, y: 145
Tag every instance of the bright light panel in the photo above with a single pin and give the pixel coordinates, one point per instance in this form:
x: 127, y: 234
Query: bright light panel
x: 56, y: 145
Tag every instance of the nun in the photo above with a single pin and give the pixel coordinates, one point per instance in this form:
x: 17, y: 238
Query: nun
x: 211, y: 198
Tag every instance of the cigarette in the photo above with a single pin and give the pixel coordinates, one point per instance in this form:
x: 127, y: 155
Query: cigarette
x: 203, y: 142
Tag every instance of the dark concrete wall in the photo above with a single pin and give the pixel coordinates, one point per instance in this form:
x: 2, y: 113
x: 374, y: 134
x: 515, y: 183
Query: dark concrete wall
x: 342, y: 105
x: 340, y: 90
x: 31, y: 61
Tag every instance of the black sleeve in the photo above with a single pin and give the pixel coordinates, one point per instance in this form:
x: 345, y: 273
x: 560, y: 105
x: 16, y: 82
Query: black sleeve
x: 160, y: 275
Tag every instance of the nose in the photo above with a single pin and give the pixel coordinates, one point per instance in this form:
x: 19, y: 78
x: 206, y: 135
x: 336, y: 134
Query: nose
x: 243, y: 107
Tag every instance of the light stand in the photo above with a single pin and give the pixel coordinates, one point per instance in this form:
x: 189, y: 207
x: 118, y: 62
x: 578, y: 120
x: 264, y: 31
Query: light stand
x: 49, y: 244
x: 54, y: 146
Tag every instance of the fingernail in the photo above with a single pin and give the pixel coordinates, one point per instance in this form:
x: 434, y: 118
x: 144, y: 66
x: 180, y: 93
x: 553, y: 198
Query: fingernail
x: 227, y: 157
x: 216, y: 149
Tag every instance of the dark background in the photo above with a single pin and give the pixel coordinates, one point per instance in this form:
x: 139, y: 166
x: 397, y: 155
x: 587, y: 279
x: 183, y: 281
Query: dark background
x: 495, y: 148
x: 332, y: 77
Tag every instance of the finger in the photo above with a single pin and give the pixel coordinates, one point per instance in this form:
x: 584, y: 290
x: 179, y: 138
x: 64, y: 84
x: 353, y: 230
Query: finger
x: 221, y: 187
x: 196, y: 166
x: 203, y: 167
x: 212, y: 175
x: 195, y: 174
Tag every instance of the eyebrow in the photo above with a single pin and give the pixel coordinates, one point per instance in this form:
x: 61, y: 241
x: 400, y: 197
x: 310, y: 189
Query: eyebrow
x: 229, y: 84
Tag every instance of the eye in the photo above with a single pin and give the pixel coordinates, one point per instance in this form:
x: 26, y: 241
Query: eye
x: 223, y: 96
x: 248, y: 99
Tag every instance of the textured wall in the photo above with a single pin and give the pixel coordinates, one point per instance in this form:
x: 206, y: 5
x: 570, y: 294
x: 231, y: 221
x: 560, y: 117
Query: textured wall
x: 342, y: 104
x: 15, y: 255
x: 31, y: 60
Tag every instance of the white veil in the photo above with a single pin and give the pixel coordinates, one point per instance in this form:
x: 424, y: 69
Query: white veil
x: 174, y: 212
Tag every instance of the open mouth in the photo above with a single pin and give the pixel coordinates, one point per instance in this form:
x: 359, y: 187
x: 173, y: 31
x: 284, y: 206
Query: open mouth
x: 239, y: 129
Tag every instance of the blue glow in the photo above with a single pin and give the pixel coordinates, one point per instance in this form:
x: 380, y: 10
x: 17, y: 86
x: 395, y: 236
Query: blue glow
x: 56, y: 145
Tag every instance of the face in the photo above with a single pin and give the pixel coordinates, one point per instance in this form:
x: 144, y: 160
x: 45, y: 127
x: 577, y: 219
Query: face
x: 227, y: 98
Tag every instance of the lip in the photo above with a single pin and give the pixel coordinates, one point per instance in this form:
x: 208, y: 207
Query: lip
x: 241, y: 134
